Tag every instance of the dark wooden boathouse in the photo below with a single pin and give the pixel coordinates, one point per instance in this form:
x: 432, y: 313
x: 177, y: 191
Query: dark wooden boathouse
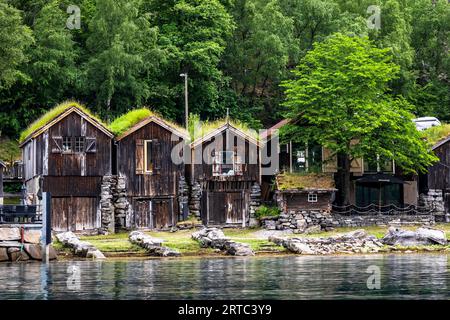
x: 67, y: 152
x: 226, y: 165
x: 152, y: 177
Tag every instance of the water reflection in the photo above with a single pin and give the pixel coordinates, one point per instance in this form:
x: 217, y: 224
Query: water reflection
x: 327, y: 277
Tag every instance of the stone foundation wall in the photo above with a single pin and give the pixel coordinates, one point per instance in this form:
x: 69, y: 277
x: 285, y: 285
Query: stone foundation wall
x: 255, y: 202
x: 314, y: 221
x: 17, y: 244
x: 107, y: 205
x: 433, y: 199
x: 114, y: 205
x: 121, y: 204
x: 195, y: 200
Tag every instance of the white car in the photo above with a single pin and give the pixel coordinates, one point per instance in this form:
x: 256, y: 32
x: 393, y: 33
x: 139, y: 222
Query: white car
x: 426, y: 122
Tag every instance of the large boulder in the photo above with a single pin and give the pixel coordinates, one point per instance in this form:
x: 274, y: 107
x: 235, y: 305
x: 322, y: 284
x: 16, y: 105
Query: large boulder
x: 153, y: 245
x: 16, y: 254
x: 296, y: 246
x: 34, y: 251
x: 32, y: 236
x: 9, y: 234
x: 216, y: 239
x: 422, y: 236
x: 80, y: 248
x: 238, y: 249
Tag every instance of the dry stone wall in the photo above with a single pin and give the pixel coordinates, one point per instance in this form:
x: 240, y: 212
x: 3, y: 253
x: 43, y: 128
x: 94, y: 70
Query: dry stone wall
x: 21, y: 244
x: 311, y: 221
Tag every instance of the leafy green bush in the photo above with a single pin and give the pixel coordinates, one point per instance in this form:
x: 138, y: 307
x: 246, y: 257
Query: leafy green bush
x: 264, y: 211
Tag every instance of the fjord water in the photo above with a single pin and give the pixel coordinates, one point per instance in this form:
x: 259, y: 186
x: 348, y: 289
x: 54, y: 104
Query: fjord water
x: 407, y: 276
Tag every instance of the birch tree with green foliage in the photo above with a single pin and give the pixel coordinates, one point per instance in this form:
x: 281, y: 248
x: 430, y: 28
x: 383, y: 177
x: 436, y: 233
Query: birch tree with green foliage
x: 119, y: 47
x: 339, y: 97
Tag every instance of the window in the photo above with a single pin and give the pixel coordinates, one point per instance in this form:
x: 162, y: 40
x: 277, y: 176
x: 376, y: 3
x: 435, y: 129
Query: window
x: 67, y: 145
x: 306, y: 157
x: 378, y: 165
x: 227, y: 163
x: 148, y: 155
x: 79, y: 144
x: 312, y: 197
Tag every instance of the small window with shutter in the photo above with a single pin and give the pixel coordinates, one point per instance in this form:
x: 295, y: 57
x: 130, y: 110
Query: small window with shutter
x: 148, y: 156
x: 91, y: 145
x: 57, y: 144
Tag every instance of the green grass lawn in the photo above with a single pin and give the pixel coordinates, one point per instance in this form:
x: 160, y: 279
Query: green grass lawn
x: 118, y: 244
x: 114, y: 243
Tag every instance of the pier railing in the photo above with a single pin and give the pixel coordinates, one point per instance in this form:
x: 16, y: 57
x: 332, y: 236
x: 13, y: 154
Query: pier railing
x: 20, y: 214
x: 373, y: 209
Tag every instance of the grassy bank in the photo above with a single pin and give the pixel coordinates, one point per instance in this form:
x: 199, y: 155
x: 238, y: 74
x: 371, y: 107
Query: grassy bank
x: 118, y: 244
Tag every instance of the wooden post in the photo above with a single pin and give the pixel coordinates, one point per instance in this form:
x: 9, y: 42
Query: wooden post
x: 46, y: 233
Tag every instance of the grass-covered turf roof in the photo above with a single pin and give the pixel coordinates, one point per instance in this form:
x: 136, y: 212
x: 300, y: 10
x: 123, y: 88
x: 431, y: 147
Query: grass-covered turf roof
x: 203, y: 128
x: 437, y: 133
x: 128, y: 120
x: 53, y: 114
x: 305, y: 181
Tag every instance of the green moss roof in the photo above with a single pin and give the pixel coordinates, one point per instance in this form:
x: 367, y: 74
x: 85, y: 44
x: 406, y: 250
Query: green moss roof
x: 305, y: 181
x: 205, y: 127
x: 54, y: 113
x: 128, y: 120
x: 437, y: 133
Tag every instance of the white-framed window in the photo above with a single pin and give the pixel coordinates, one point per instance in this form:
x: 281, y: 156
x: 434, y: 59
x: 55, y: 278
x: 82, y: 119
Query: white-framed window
x: 227, y: 163
x: 312, y: 197
x: 148, y: 156
x: 67, y: 145
x: 79, y: 144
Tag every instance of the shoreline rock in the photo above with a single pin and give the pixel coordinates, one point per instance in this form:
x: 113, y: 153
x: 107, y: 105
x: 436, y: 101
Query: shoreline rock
x: 215, y: 238
x: 80, y: 248
x: 357, y: 241
x: 152, y: 245
x: 422, y: 236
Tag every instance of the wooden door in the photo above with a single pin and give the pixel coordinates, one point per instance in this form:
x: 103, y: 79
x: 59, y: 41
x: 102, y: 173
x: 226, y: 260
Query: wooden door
x: 154, y: 213
x: 60, y: 214
x: 224, y: 207
x: 162, y: 213
x: 142, y: 213
x: 215, y: 204
x: 74, y: 213
x: 234, y: 207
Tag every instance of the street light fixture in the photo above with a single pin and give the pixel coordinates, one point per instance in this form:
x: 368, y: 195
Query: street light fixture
x: 186, y: 104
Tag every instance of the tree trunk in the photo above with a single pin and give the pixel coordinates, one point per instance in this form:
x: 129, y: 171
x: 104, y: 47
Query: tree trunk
x: 346, y: 179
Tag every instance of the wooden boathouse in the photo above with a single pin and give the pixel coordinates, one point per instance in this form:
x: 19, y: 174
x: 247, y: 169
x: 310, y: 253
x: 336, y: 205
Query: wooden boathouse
x: 67, y: 152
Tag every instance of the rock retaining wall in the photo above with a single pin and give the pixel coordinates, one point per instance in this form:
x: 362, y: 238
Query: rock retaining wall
x: 255, y: 202
x: 214, y: 238
x: 19, y: 243
x: 195, y: 200
x: 152, y: 245
x: 79, y: 248
x: 315, y: 221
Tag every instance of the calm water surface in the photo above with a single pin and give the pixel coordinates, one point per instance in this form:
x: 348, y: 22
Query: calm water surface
x: 413, y: 276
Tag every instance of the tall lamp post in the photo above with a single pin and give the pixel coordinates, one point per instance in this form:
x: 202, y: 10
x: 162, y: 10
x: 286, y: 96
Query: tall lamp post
x: 186, y: 103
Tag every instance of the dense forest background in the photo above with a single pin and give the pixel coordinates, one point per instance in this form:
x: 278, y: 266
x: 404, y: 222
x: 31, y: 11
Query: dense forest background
x: 127, y: 54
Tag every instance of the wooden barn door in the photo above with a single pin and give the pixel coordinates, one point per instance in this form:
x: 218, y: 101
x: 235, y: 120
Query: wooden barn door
x: 225, y: 207
x: 163, y: 213
x: 60, y: 214
x: 236, y: 209
x: 74, y: 213
x: 154, y: 213
x: 142, y: 213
